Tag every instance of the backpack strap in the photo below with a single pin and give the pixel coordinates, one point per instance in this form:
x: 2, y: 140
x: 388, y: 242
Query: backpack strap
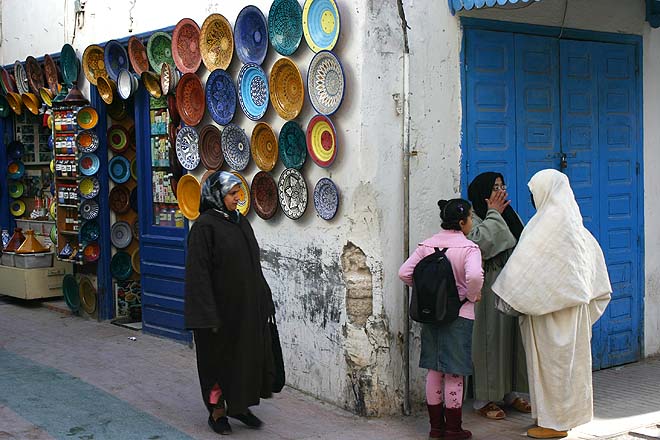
x: 443, y: 252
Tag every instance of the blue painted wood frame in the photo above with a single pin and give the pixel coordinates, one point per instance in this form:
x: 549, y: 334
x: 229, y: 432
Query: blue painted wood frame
x: 6, y: 134
x: 573, y: 34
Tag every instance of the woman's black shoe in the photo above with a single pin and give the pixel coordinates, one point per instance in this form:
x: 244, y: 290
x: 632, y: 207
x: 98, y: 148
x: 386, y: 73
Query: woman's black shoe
x: 249, y: 419
x: 221, y: 426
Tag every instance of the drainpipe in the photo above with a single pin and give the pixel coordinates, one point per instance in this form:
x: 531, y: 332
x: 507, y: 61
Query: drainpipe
x: 406, y: 203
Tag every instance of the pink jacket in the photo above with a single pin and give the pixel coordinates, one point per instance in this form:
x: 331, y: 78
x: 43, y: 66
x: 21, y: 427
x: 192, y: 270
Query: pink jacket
x: 465, y: 259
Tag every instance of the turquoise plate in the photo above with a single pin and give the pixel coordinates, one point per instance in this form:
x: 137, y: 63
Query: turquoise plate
x: 253, y: 91
x: 70, y: 291
x: 69, y: 65
x: 90, y: 231
x: 292, y: 144
x: 120, y: 265
x: 285, y: 26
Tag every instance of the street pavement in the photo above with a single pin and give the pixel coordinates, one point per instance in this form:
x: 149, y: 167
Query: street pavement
x: 67, y: 377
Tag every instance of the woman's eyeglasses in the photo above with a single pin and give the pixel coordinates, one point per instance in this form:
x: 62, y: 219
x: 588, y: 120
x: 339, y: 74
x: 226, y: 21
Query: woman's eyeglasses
x: 499, y: 187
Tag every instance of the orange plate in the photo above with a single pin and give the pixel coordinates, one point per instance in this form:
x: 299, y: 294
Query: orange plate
x: 244, y: 202
x: 287, y: 93
x: 264, y: 146
x: 188, y: 194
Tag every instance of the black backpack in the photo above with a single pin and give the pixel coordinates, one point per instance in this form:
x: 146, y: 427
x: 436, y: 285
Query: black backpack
x: 434, y: 294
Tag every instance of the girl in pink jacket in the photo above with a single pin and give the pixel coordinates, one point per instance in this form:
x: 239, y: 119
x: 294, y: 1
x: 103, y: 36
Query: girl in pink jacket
x: 447, y: 348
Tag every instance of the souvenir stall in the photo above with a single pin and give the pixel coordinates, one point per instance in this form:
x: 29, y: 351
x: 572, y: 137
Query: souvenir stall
x: 168, y: 109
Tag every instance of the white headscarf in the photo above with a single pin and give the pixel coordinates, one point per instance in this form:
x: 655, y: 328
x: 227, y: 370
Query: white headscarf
x: 557, y: 263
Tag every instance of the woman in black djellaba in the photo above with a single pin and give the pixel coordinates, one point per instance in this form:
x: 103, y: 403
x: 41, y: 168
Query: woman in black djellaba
x: 227, y: 305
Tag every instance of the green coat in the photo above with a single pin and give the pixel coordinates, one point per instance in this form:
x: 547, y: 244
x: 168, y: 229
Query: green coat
x: 497, y: 351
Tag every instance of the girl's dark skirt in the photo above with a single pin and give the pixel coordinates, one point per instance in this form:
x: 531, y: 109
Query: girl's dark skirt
x: 209, y: 361
x: 448, y: 347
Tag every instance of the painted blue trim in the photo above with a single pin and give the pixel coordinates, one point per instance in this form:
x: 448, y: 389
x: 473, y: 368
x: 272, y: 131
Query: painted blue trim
x: 549, y: 31
x: 106, y: 300
x: 6, y: 133
x: 464, y: 157
x: 639, y: 49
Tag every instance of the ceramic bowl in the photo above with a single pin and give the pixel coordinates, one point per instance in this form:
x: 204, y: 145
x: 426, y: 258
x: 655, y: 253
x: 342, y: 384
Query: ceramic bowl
x: 127, y: 83
x: 185, y: 46
x: 107, y: 88
x: 88, y: 164
x: 15, y: 169
x: 115, y: 58
x: 69, y: 64
x: 216, y: 42
x: 32, y: 102
x: 52, y: 74
x: 190, y: 99
x: 15, y: 102
x: 188, y: 194
x: 119, y: 199
x: 321, y: 140
x: 159, y: 50
x: 46, y: 96
x: 93, y: 63
x: 34, y: 74
x: 320, y: 21
x: 17, y: 208
x: 151, y: 82
x: 87, y: 117
x: 92, y: 252
x: 120, y: 265
x: 87, y: 295
x: 137, y: 54
x: 287, y: 92
x: 285, y: 26
x: 169, y: 78
x: 251, y: 35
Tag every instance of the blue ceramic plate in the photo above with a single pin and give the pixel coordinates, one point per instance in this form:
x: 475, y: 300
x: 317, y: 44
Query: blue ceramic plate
x: 253, y: 91
x: 69, y: 65
x: 15, y: 169
x: 90, y: 231
x: 285, y: 26
x: 121, y: 235
x: 320, y: 21
x: 235, y: 147
x: 326, y: 198
x: 325, y: 82
x: 292, y: 145
x: 89, y: 164
x: 187, y: 148
x: 251, y: 35
x: 115, y: 58
x: 221, y: 96
x: 120, y: 169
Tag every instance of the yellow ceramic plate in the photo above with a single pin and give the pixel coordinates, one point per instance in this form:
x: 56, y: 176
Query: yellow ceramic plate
x: 87, y: 294
x: 188, y: 194
x: 53, y: 210
x: 87, y: 118
x: 216, y: 42
x: 287, y: 93
x: 264, y: 146
x: 93, y: 64
x: 320, y: 21
x: 135, y: 260
x: 244, y: 202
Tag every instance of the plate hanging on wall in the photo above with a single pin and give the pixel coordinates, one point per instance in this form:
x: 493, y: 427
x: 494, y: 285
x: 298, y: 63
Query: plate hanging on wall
x: 253, y: 91
x: 187, y: 148
x: 115, y: 58
x: 52, y: 74
x: 216, y: 42
x: 120, y: 265
x: 119, y: 169
x: 137, y: 53
x: 292, y: 193
x: 263, y: 144
x: 235, y: 147
x: 251, y: 35
x: 119, y: 199
x: 322, y: 140
x: 188, y: 195
x: 117, y: 138
x: 89, y: 164
x: 326, y: 198
x: 21, y: 78
x: 285, y: 26
x: 185, y: 46
x: 89, y: 209
x: 121, y: 234
x: 93, y: 63
x: 325, y: 82
x: 69, y: 65
x: 89, y: 187
x: 320, y: 21
x: 159, y: 50
x: 35, y: 74
x: 243, y: 205
x: 87, y: 141
x: 287, y: 92
x: 190, y: 99
x: 221, y: 96
x: 264, y: 195
x: 292, y: 145
x: 210, y: 147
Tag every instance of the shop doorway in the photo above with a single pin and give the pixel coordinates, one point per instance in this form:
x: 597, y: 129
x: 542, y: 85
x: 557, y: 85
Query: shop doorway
x: 535, y: 102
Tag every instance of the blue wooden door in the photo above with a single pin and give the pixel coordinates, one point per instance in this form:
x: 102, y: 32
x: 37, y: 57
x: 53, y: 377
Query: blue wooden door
x: 162, y: 249
x: 549, y: 99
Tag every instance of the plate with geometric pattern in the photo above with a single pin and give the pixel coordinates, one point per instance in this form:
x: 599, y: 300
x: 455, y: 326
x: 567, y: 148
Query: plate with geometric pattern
x: 292, y: 193
x: 235, y: 147
x: 326, y: 198
x: 253, y: 91
x: 325, y: 82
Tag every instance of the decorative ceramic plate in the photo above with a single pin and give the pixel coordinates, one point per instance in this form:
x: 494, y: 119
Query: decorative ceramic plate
x: 137, y: 53
x: 190, y: 99
x: 206, y: 175
x: 87, y: 141
x: 253, y: 91
x: 292, y: 145
x: 159, y: 50
x: 263, y: 144
x: 285, y: 26
x: 251, y: 35
x: 90, y: 231
x: 119, y: 199
x: 264, y: 195
x: 221, y: 96
x: 70, y: 291
x: 185, y: 46
x: 117, y: 138
x: 92, y: 252
x: 292, y: 193
x: 287, y: 92
x: 17, y: 208
x: 235, y: 147
x: 8, y: 83
x: 135, y: 260
x: 216, y: 42
x: 169, y: 78
x: 127, y: 83
x: 106, y: 88
x: 325, y: 82
x: 120, y: 265
x: 52, y: 74
x: 134, y: 168
x: 119, y: 169
x: 87, y: 295
x: 66, y: 251
x: 16, y: 189
x: 89, y: 209
x: 35, y: 74
x: 89, y: 187
x: 326, y: 198
x: 69, y: 65
x: 133, y: 199
x: 321, y: 141
x: 15, y: 169
x: 210, y: 147
x: 175, y: 167
x: 121, y: 235
x: 53, y: 211
x: 93, y: 63
x: 53, y: 233
x: 188, y: 194
x: 87, y: 118
x: 243, y: 205
x: 89, y: 164
x: 115, y: 58
x: 151, y: 82
x: 187, y: 148
x: 21, y: 78
x: 320, y: 21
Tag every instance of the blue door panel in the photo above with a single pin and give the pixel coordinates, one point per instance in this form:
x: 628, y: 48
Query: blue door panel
x: 172, y: 288
x: 164, y: 323
x: 159, y: 253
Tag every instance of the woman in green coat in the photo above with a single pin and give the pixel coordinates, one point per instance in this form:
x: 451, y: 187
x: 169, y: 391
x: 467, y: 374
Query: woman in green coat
x: 500, y: 373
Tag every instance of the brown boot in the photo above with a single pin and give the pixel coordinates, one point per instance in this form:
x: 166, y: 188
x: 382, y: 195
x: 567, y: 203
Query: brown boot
x: 437, y: 421
x: 453, y: 428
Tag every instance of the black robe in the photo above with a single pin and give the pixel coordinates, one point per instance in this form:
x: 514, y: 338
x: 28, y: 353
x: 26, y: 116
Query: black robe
x: 225, y: 290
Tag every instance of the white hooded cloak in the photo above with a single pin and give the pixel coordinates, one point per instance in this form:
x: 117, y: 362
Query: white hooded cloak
x: 558, y: 279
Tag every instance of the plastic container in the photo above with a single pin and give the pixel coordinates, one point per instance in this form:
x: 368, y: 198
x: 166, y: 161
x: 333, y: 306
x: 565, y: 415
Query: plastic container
x: 33, y: 261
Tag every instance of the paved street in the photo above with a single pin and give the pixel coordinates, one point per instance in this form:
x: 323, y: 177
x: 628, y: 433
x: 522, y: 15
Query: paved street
x: 65, y: 377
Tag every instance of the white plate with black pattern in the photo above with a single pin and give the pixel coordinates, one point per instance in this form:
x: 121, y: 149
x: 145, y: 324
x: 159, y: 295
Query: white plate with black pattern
x: 292, y: 193
x: 187, y: 148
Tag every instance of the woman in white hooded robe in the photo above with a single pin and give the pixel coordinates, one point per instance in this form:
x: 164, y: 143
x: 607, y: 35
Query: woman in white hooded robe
x: 558, y: 279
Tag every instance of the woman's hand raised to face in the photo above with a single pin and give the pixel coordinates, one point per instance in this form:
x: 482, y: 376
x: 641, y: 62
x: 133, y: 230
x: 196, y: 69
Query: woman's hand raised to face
x: 498, y: 200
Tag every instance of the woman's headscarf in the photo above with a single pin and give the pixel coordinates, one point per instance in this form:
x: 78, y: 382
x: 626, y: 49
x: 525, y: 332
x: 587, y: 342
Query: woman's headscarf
x: 557, y: 263
x: 214, y: 190
x: 480, y: 189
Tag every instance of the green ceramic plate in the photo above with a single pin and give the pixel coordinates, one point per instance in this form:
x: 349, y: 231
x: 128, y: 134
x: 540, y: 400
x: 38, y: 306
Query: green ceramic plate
x: 159, y: 50
x: 120, y: 265
x: 69, y: 64
x: 70, y: 291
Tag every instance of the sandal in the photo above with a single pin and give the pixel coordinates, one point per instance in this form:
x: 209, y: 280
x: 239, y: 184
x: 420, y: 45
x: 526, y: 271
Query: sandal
x: 492, y: 411
x: 522, y: 405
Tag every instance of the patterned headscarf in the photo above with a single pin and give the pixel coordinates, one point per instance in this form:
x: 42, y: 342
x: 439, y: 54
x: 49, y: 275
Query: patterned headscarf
x: 214, y: 190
